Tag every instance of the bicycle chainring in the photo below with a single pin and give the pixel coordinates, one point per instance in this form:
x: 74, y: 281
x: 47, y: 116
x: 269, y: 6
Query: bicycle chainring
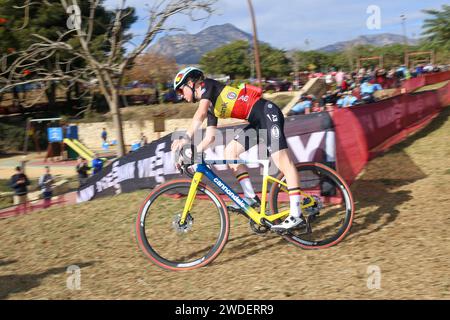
x: 258, y: 229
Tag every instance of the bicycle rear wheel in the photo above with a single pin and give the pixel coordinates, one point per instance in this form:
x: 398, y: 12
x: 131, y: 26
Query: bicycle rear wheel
x: 330, y: 219
x: 182, y: 247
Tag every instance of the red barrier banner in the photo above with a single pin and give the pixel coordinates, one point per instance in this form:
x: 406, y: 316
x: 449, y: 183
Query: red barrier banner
x: 351, y: 146
x: 444, y: 95
x: 414, y: 84
x: 363, y: 132
x: 437, y: 77
x: 419, y: 106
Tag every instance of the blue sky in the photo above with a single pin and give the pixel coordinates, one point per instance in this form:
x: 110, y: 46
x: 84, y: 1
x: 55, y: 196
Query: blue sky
x: 287, y: 24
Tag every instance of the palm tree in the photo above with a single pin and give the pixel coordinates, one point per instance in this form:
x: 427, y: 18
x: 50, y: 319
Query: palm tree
x: 437, y: 28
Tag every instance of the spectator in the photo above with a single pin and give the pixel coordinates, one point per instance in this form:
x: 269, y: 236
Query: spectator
x: 393, y: 78
x: 46, y: 184
x: 361, y: 72
x: 368, y: 90
x: 104, y: 135
x: 340, y: 78
x: 19, y: 183
x: 82, y: 170
x: 381, y: 77
x: 97, y: 165
x: 344, y: 85
x: 419, y: 70
x: 329, y: 79
x: 302, y: 105
x: 403, y: 73
x: 329, y: 98
x: 144, y: 140
x: 428, y: 68
x: 349, y: 82
x: 347, y: 100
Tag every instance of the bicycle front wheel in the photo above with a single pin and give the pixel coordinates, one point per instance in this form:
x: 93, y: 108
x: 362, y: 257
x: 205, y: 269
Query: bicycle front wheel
x: 329, y: 219
x: 178, y: 247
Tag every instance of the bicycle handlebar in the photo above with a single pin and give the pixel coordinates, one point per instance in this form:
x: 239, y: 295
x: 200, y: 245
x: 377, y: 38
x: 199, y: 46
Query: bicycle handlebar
x: 187, y: 156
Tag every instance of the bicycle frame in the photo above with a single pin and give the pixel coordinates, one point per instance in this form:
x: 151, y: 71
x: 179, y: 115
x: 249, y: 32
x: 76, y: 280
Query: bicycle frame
x: 202, y: 170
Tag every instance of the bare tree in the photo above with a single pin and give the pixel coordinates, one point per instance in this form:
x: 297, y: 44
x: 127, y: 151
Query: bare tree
x: 153, y: 68
x: 106, y: 71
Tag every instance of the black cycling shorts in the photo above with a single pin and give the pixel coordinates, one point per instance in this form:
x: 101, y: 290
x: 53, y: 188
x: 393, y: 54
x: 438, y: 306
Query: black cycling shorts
x: 266, y: 127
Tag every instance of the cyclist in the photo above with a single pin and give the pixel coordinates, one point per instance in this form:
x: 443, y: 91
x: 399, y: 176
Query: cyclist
x: 219, y: 101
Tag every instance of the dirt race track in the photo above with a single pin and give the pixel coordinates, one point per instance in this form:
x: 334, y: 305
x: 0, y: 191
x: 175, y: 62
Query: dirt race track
x: 402, y: 226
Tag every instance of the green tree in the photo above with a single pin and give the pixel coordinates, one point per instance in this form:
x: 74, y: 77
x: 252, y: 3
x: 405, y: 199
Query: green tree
x: 437, y: 28
x: 314, y: 60
x: 274, y: 63
x: 232, y: 59
x: 236, y: 60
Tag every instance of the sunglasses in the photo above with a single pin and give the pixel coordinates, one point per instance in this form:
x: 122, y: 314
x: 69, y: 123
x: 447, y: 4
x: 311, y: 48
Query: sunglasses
x: 180, y: 91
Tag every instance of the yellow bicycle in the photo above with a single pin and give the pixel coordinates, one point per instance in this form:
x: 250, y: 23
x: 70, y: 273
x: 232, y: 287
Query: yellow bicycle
x: 184, y: 224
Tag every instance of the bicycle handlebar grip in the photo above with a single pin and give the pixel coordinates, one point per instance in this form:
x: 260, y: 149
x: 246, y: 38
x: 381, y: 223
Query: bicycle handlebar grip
x: 188, y: 154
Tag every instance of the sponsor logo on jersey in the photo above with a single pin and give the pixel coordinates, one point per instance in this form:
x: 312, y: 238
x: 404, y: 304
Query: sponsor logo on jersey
x: 272, y: 117
x: 232, y: 96
x: 276, y: 132
x: 244, y: 98
x: 223, y: 110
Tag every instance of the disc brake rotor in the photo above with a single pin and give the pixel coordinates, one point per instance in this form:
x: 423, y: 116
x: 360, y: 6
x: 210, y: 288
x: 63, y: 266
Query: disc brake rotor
x: 186, y: 227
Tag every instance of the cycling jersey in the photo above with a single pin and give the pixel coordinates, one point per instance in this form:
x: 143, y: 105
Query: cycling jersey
x: 266, y: 117
x: 228, y: 102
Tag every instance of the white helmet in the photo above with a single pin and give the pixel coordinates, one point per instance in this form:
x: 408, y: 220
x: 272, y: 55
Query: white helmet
x: 185, y: 74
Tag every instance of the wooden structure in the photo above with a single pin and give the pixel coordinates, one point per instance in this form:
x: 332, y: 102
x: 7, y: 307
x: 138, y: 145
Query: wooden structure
x: 380, y: 60
x: 408, y: 57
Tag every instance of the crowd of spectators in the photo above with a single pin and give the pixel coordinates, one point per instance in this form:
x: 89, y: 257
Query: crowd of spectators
x: 20, y: 184
x: 358, y: 87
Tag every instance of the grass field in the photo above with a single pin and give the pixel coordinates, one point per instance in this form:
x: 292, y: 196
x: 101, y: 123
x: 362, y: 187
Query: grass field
x: 402, y: 227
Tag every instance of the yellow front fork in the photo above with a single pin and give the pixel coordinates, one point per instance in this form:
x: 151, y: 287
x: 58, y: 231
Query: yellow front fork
x: 191, y: 196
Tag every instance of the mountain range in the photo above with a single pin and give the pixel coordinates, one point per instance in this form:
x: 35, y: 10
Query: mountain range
x: 378, y: 40
x: 188, y: 48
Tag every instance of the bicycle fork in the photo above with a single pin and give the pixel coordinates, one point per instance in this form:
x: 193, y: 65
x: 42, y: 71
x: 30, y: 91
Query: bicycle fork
x: 196, y: 180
